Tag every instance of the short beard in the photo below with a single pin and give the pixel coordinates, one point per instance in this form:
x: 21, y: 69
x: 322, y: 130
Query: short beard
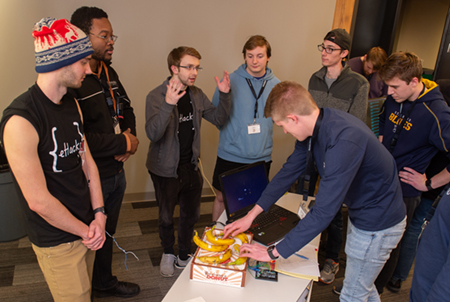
x: 100, y: 57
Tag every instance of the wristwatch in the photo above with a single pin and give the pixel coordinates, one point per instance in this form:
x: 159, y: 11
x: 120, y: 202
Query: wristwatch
x: 270, y: 252
x: 101, y: 210
x: 428, y: 184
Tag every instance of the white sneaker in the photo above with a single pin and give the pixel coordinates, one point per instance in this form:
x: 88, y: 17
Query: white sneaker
x: 166, y: 265
x: 182, y: 263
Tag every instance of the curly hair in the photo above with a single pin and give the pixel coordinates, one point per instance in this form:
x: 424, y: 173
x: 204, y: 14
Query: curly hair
x: 82, y: 17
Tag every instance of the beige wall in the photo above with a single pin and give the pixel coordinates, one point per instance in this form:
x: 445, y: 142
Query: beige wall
x: 148, y: 30
x: 421, y: 27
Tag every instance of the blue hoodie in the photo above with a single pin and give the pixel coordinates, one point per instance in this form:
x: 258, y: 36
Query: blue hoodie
x: 426, y: 131
x: 235, y: 144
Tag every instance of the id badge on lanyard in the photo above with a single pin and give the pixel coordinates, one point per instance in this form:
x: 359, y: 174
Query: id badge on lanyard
x: 116, y: 126
x: 255, y: 128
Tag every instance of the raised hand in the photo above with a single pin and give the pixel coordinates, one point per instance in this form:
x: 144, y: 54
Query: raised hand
x: 173, y: 94
x: 224, y: 84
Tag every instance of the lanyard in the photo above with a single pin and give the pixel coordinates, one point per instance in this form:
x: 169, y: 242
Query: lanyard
x: 101, y: 66
x: 307, y: 180
x: 400, y: 127
x: 256, y: 97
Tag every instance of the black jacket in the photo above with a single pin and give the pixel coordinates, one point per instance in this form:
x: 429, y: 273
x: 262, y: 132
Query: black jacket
x: 98, y: 122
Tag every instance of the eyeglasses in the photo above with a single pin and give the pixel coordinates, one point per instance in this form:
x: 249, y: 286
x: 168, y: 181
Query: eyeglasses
x: 105, y: 38
x: 328, y: 50
x: 192, y: 67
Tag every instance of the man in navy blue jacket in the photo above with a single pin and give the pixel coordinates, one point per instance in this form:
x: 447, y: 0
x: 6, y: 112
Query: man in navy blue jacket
x: 431, y: 271
x: 354, y: 168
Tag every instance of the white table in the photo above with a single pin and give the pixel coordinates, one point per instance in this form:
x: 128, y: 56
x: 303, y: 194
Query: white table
x: 286, y: 289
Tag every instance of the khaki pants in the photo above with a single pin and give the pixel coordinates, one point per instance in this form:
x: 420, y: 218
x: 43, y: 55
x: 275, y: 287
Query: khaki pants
x: 67, y: 269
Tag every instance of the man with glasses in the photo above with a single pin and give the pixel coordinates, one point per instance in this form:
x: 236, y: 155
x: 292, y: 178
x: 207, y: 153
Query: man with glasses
x: 173, y: 113
x: 110, y: 127
x: 335, y: 85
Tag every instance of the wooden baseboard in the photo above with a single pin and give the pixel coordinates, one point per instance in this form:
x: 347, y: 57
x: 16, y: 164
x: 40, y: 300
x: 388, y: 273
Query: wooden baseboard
x: 150, y: 196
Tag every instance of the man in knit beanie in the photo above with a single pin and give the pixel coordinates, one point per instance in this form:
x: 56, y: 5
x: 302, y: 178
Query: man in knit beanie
x: 43, y: 136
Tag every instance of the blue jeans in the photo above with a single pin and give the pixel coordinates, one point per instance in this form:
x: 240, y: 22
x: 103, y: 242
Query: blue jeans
x: 385, y: 275
x: 410, y: 240
x: 113, y: 189
x: 367, y: 252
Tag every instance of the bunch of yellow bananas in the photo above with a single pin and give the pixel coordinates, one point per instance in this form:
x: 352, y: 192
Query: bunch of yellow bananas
x: 216, y: 259
x: 209, y: 247
x: 219, y: 245
x: 213, y: 239
x: 240, y: 236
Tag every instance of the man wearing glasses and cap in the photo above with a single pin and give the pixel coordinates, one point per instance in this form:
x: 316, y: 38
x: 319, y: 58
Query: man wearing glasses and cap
x: 335, y: 85
x: 173, y: 114
x: 110, y: 127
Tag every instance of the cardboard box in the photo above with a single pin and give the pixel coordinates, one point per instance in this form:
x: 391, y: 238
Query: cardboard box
x: 223, y: 274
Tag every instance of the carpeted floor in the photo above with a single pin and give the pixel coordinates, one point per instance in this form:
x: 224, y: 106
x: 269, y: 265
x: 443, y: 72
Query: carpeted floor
x: 22, y: 280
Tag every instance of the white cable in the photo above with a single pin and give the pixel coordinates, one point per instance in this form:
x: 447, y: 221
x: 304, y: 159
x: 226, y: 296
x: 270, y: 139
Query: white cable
x: 200, y: 166
x: 125, y: 252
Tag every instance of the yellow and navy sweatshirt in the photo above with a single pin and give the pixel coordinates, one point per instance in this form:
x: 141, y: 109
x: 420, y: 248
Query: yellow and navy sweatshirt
x: 425, y: 132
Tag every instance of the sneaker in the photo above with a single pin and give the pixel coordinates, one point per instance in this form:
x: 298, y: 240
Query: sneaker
x: 182, y: 263
x: 337, y: 289
x: 166, y: 265
x: 394, y: 286
x: 329, y: 271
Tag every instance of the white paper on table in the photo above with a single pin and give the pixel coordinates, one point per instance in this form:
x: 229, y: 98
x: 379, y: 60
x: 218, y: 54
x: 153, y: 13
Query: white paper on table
x: 300, y: 267
x: 198, y: 299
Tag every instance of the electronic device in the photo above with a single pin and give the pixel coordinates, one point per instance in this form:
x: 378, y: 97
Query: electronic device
x: 241, y: 189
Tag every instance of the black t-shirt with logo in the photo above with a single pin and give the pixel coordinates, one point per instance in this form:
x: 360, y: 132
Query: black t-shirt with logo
x: 186, y: 127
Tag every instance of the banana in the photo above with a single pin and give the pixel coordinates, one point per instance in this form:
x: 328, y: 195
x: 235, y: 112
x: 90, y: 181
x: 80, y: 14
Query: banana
x: 203, y: 245
x: 242, y: 237
x: 216, y: 259
x: 219, y: 241
x: 210, y: 259
x: 240, y: 260
x: 225, y: 256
